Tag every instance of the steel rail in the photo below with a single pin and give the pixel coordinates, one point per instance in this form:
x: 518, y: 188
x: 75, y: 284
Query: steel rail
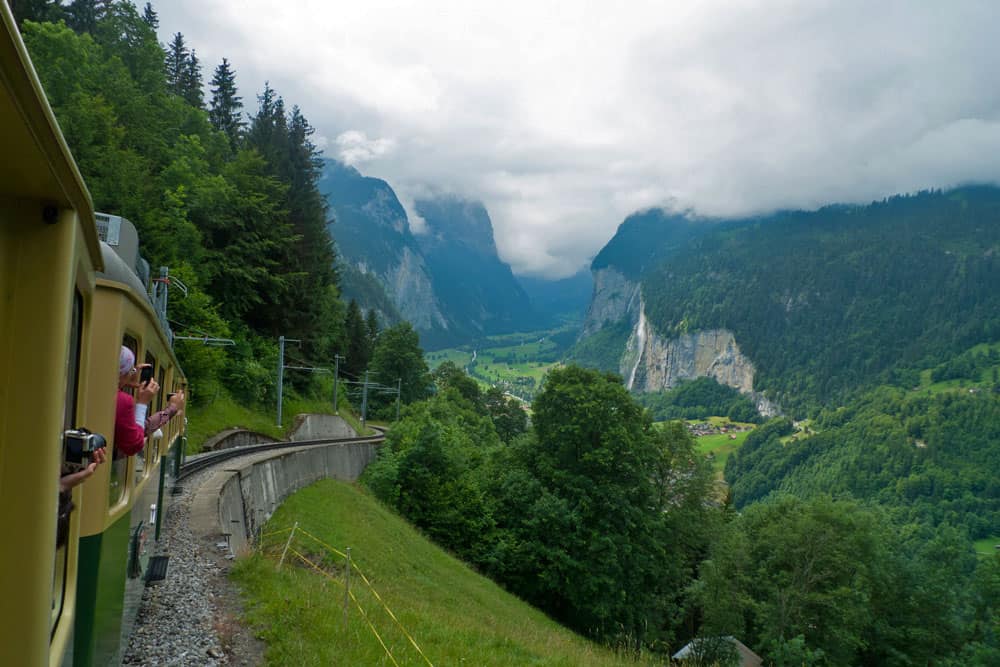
x: 205, y: 461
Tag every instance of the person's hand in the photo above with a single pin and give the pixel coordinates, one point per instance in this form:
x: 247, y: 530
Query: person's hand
x: 178, y: 400
x: 147, y: 391
x: 67, y: 482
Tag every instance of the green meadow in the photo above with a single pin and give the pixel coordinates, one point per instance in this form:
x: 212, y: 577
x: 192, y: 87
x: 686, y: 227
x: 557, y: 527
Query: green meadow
x: 454, y: 615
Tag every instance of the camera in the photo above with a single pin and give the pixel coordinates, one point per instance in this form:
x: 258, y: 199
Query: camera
x: 79, y: 445
x: 146, y: 374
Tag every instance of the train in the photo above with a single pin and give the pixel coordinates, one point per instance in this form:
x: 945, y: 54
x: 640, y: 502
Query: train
x: 73, y: 290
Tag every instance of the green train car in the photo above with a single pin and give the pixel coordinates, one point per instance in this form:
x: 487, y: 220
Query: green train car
x: 68, y: 302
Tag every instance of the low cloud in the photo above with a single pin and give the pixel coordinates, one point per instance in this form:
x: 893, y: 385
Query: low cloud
x: 563, y: 118
x: 355, y: 148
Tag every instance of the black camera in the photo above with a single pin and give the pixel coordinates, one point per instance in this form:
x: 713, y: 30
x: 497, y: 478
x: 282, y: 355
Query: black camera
x: 79, y: 445
x: 146, y: 374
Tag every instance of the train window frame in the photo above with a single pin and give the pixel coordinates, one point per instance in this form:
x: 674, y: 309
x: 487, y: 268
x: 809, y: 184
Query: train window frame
x: 74, y: 359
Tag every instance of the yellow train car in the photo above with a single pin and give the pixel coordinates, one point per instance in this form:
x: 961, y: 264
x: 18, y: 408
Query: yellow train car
x: 68, y: 302
x: 49, y: 253
x: 123, y: 504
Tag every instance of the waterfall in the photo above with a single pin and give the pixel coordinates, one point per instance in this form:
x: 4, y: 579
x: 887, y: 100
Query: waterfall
x: 640, y: 336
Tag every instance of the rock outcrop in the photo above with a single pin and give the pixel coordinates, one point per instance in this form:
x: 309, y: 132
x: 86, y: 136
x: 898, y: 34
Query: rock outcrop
x: 409, y: 285
x: 615, y: 298
x: 650, y: 362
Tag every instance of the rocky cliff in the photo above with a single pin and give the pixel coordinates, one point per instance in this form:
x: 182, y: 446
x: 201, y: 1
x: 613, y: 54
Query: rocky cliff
x: 615, y: 298
x: 647, y: 360
x: 651, y: 362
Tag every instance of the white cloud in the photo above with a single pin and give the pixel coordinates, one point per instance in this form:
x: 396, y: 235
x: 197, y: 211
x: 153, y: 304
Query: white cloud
x: 563, y: 117
x: 355, y: 148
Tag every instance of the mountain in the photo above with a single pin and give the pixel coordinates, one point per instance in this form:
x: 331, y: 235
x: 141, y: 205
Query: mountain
x: 373, y: 237
x: 562, y: 300
x: 477, y: 289
x: 448, y: 282
x: 798, y: 308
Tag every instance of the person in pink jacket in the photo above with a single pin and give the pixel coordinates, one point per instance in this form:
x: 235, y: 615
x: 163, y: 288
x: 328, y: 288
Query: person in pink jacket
x: 132, y: 424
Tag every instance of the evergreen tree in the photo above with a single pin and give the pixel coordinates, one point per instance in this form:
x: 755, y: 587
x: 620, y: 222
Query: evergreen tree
x: 176, y: 64
x: 36, y: 10
x: 294, y: 159
x: 358, y: 350
x: 226, y: 107
x: 82, y: 15
x: 371, y: 324
x: 192, y: 83
x: 150, y: 16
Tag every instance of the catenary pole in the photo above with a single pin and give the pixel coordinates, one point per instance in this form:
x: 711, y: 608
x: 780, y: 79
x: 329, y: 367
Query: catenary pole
x: 336, y: 380
x: 281, y: 373
x: 364, y: 402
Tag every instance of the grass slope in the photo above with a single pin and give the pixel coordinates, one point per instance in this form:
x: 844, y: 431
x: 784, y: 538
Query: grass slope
x: 456, y: 616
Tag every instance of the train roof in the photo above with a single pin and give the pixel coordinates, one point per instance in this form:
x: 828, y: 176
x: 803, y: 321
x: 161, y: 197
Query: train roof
x: 38, y: 163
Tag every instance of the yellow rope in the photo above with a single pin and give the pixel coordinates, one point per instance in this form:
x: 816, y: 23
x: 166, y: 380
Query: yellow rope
x: 360, y: 608
x: 276, y: 532
x: 334, y: 550
x: 372, y: 589
x: 392, y: 615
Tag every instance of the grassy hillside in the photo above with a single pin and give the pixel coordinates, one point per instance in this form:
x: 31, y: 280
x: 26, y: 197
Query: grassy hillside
x: 454, y: 615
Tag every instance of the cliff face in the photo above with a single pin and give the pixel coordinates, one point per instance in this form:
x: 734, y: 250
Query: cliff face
x: 654, y: 363
x: 615, y: 298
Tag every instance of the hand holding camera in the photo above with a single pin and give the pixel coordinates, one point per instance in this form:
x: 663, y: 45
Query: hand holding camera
x: 83, y: 450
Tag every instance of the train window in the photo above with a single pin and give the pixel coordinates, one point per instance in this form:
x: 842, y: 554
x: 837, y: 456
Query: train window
x: 69, y: 418
x: 119, y: 464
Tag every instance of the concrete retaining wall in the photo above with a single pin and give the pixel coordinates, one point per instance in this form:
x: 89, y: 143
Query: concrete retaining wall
x: 232, y: 504
x: 315, y: 427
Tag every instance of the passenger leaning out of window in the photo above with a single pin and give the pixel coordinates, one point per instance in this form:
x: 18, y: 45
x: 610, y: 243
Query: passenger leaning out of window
x: 132, y: 424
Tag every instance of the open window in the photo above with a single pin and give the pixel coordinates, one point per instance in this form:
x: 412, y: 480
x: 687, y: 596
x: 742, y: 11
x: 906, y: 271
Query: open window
x: 61, y: 564
x: 119, y: 464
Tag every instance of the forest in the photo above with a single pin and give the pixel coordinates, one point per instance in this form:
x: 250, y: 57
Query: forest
x: 699, y: 398
x: 831, y: 302
x: 615, y: 528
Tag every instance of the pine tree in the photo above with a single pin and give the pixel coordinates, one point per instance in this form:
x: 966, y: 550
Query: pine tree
x: 371, y: 323
x: 150, y: 16
x: 176, y: 64
x: 36, y: 10
x: 226, y: 107
x: 191, y: 89
x: 82, y: 15
x: 358, y: 351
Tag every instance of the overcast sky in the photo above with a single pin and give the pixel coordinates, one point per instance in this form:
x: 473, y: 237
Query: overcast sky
x: 564, y: 117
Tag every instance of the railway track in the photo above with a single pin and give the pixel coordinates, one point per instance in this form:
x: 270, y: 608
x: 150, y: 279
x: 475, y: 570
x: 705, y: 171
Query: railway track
x: 205, y: 461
